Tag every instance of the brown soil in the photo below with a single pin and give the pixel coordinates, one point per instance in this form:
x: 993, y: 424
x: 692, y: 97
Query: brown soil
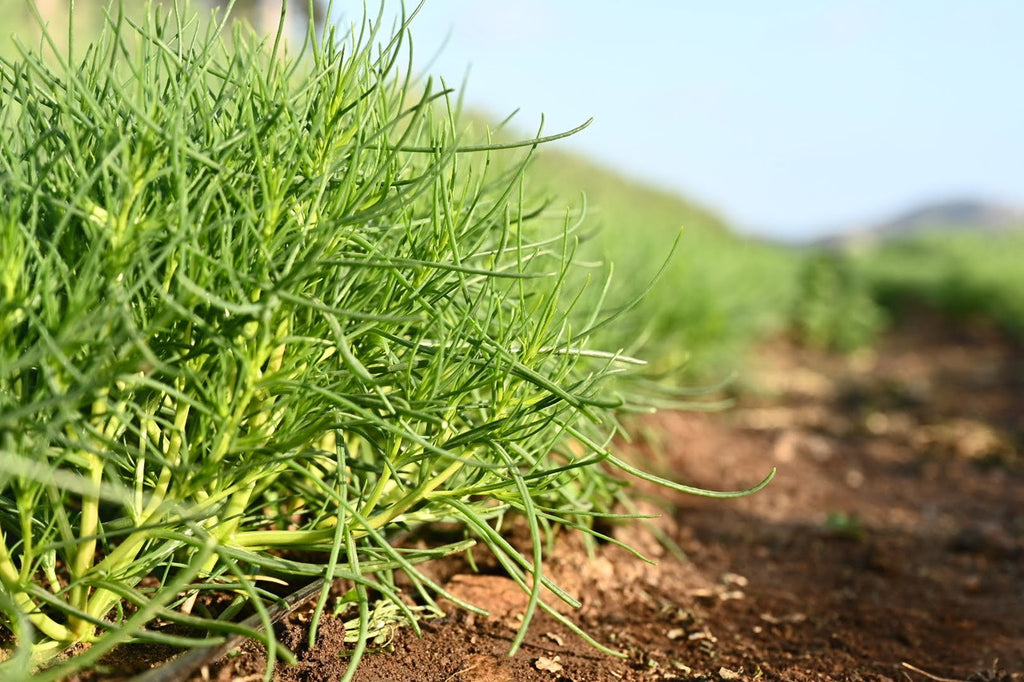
x: 889, y: 545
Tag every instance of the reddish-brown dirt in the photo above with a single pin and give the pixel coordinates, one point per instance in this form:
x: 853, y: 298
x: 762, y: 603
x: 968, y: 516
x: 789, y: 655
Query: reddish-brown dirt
x: 889, y: 546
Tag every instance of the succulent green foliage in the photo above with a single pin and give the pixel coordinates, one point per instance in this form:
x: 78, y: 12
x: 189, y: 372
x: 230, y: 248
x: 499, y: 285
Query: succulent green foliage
x: 252, y: 304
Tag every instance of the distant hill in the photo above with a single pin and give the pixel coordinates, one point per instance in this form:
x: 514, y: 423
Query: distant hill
x: 957, y: 215
x: 978, y: 215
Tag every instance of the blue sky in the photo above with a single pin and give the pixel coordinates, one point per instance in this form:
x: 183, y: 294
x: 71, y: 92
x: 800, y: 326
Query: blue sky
x: 792, y: 118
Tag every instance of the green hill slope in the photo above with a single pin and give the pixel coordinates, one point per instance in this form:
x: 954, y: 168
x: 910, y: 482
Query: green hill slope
x: 718, y: 292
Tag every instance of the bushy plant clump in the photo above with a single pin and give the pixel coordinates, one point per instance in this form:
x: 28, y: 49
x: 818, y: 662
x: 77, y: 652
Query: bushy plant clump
x: 258, y: 315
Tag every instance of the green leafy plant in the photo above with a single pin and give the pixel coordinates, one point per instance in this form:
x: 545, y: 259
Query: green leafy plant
x: 835, y: 309
x: 258, y: 316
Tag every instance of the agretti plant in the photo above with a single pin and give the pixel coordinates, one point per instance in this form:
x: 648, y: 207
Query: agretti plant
x: 258, y: 316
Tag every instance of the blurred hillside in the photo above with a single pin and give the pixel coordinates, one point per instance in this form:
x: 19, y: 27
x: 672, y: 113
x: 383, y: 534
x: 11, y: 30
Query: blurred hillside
x: 978, y: 215
x: 717, y: 292
x: 722, y: 293
x: 948, y: 215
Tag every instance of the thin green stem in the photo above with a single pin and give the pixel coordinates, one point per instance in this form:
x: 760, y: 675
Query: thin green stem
x: 12, y: 584
x: 413, y: 497
x: 85, y: 552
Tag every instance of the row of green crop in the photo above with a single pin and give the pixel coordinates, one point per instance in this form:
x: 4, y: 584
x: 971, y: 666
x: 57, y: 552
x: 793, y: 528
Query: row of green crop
x: 960, y: 274
x: 258, y: 317
x: 715, y: 292
x: 250, y: 305
x: 720, y: 293
x: 845, y: 299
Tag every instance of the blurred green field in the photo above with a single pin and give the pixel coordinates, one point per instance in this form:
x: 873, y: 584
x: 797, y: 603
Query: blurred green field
x: 722, y: 293
x: 962, y: 274
x: 718, y: 293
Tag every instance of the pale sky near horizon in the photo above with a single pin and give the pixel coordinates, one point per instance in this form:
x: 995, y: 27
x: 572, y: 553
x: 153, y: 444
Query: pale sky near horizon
x: 791, y: 118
